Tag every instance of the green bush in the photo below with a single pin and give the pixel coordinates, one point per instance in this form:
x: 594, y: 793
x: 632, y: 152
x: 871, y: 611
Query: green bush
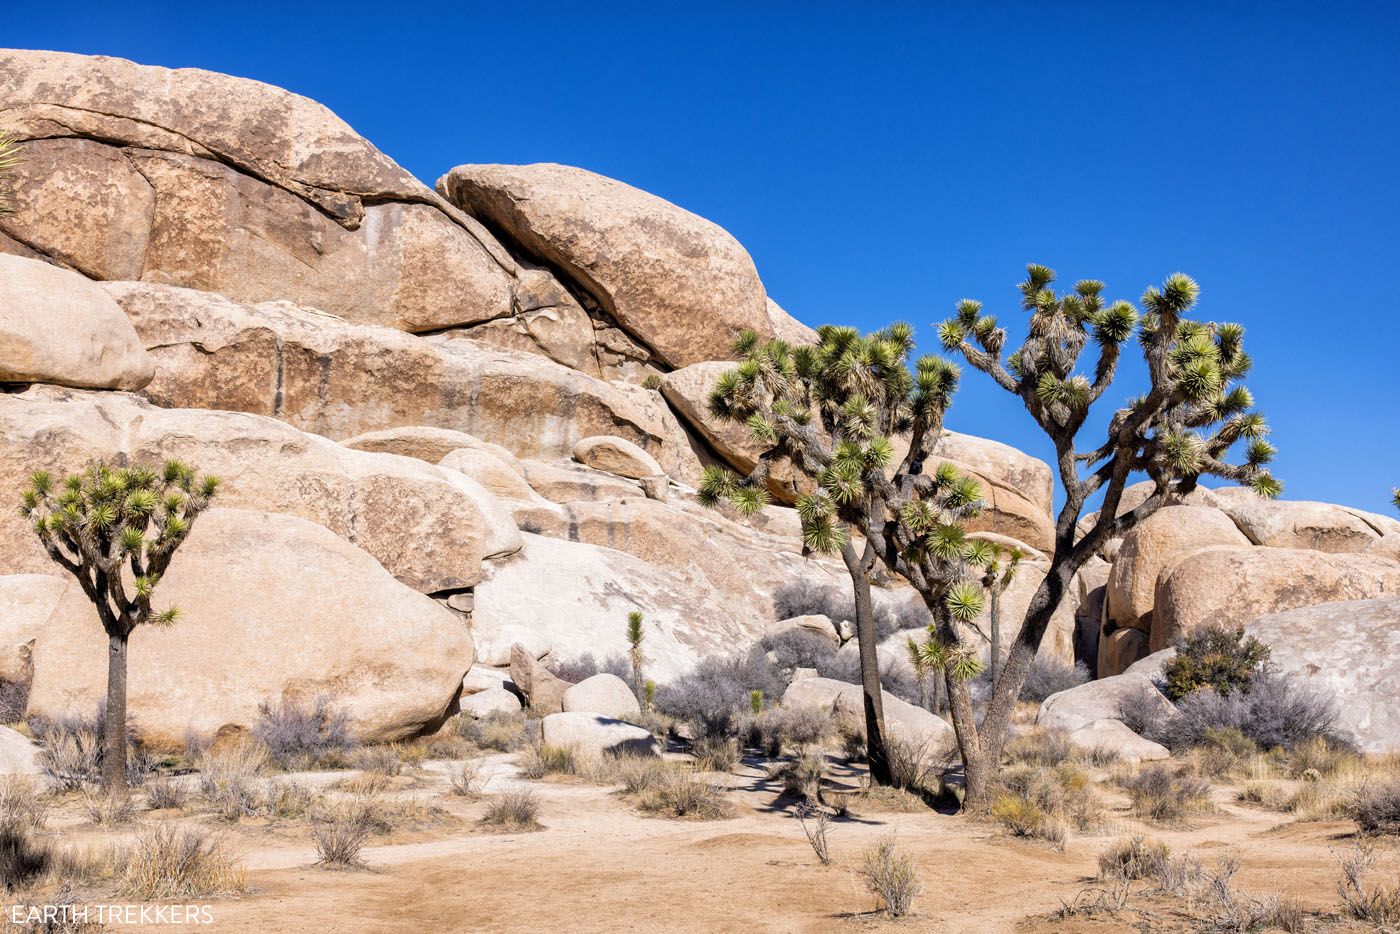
x: 1224, y: 660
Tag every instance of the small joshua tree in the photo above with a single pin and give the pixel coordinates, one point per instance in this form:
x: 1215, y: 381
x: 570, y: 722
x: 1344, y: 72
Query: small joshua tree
x: 1395, y: 497
x: 115, y: 529
x: 999, y: 567
x: 1183, y: 428
x: 9, y: 158
x: 835, y: 411
x: 635, y: 635
x: 922, y: 669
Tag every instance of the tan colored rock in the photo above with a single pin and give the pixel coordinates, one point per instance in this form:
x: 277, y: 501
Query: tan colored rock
x: 543, y: 691
x: 675, y: 281
x: 788, y: 328
x: 815, y: 623
x: 1226, y: 586
x: 553, y: 324
x: 495, y: 700
x: 501, y: 475
x: 483, y: 677
x: 1283, y: 524
x: 1119, y: 649
x: 603, y: 694
x: 592, y: 736
x: 903, y: 721
x: 230, y: 185
x: 1004, y: 466
x: 58, y: 327
x: 19, y: 755
x: 573, y: 483
x: 1160, y: 540
x: 1096, y: 700
x: 616, y: 456
x: 325, y: 375
x: 26, y: 603
x: 1114, y: 736
x: 585, y: 610
x: 1357, y: 662
x: 272, y: 607
x: 495, y: 644
x: 422, y: 442
x: 421, y: 522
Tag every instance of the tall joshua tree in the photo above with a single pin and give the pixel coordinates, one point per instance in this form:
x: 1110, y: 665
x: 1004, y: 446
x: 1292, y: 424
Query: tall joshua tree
x: 1183, y: 428
x: 115, y: 529
x: 835, y: 411
x: 635, y: 635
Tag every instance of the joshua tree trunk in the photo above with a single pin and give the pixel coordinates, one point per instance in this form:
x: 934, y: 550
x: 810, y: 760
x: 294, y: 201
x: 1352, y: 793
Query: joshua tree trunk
x: 996, y: 632
x: 859, y: 568
x: 114, y: 719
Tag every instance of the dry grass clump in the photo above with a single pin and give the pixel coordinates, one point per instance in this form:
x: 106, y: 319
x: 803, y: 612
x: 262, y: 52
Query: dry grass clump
x: 1042, y: 747
x: 889, y: 798
x: 715, y: 753
x: 364, y: 783
x: 1046, y: 803
x: 298, y: 736
x: 497, y: 731
x: 1223, y: 752
x: 184, y: 862
x: 679, y: 793
x: 450, y: 746
x: 914, y: 765
x: 1163, y: 795
x: 386, y: 760
x: 890, y: 876
x: 1133, y: 858
x: 340, y: 834
x: 72, y: 751
x: 22, y: 807
x: 635, y: 773
x: 465, y: 779
x: 1377, y: 807
x: 801, y: 776
x: 166, y: 795
x: 287, y: 799
x: 538, y: 761
x: 777, y: 729
x: 512, y: 812
x: 106, y: 810
x: 1377, y: 904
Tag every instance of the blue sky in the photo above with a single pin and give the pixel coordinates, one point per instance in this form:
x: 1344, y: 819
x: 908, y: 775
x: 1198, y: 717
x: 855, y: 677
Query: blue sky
x: 881, y: 161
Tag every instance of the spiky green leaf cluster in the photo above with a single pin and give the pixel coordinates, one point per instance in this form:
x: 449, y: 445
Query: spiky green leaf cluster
x: 106, y: 523
x: 9, y: 160
x: 959, y: 662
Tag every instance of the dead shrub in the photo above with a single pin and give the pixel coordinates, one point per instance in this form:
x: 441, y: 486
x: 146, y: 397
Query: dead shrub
x: 22, y: 807
x: 340, y: 834
x: 450, y: 746
x: 185, y: 862
x: 1377, y: 807
x: 1377, y: 904
x: 106, y: 810
x: 497, y: 731
x: 679, y: 794
x: 1047, y: 803
x: 914, y: 765
x: 386, y: 760
x: 1163, y: 795
x: 637, y: 773
x: 815, y: 823
x: 1132, y: 858
x: 801, y: 777
x: 166, y: 795
x: 777, y: 729
x: 512, y: 811
x: 465, y: 779
x: 890, y: 876
x: 715, y: 753
x: 287, y: 799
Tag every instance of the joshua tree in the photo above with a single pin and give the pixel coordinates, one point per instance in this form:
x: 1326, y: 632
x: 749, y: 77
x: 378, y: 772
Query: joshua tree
x: 9, y: 158
x: 1395, y: 497
x: 999, y: 567
x: 922, y: 669
x: 115, y: 529
x: 635, y: 634
x: 1182, y: 428
x: 835, y: 412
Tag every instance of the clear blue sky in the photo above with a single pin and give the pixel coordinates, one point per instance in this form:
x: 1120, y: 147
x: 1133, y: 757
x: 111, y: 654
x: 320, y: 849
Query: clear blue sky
x: 881, y: 161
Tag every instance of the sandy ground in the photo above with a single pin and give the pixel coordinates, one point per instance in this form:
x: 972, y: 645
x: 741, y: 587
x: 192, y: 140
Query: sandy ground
x: 600, y: 866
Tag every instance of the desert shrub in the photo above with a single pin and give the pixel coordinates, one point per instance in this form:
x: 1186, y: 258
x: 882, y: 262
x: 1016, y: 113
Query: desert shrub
x: 1163, y: 795
x: 171, y: 862
x: 1046, y: 803
x: 22, y: 806
x: 801, y: 776
x: 836, y: 603
x: 890, y: 876
x: 798, y: 648
x: 1133, y: 858
x: 166, y: 795
x: 1377, y: 807
x: 535, y: 762
x: 652, y: 381
x: 712, y: 695
x: 779, y: 728
x: 465, y: 779
x: 449, y: 746
x: 287, y: 799
x: 1322, y: 800
x: 678, y: 793
x: 1317, y: 755
x: 502, y: 732
x: 339, y: 834
x: 106, y: 810
x: 1378, y: 904
x: 1051, y: 676
x: 300, y: 737
x: 715, y: 753
x: 72, y: 750
x: 512, y: 811
x: 635, y: 773
x: 914, y: 764
x: 1140, y: 709
x: 587, y: 665
x: 816, y: 822
x: 1047, y: 747
x: 227, y: 774
x: 1224, y: 660
x: 1222, y: 751
x: 22, y: 858
x: 14, y: 698
x: 1278, y: 711
x: 386, y: 760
